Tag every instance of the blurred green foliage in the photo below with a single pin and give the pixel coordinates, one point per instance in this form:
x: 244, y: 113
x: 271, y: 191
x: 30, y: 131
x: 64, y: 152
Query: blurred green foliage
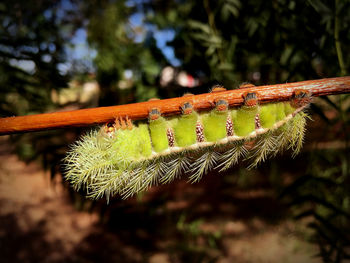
x: 279, y: 40
x: 323, y: 191
x: 111, y: 33
x: 32, y: 37
x: 232, y: 41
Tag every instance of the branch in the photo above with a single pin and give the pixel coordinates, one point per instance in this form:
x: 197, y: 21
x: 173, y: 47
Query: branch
x: 137, y: 111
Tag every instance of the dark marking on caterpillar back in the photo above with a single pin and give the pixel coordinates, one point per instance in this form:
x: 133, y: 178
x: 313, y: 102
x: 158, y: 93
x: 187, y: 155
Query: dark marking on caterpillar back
x: 229, y: 127
x: 257, y: 121
x: 199, y: 132
x: 171, y: 138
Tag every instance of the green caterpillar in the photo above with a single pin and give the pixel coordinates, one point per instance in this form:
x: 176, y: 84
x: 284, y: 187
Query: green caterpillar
x: 126, y: 159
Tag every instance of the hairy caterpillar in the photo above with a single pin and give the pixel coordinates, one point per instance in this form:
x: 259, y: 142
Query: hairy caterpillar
x: 123, y: 158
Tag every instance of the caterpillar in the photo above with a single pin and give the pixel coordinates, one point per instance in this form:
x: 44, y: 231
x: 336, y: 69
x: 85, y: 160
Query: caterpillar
x: 126, y: 158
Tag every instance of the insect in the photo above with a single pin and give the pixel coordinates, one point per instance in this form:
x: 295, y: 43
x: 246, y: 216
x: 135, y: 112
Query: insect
x: 126, y: 158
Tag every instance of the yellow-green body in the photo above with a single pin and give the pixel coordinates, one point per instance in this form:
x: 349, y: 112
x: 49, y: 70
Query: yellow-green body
x: 280, y: 111
x: 158, y: 130
x: 267, y: 115
x: 185, y: 130
x: 214, y: 125
x: 288, y: 109
x: 244, y: 120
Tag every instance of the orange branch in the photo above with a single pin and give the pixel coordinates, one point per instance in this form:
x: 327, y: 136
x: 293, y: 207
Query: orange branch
x: 137, y: 111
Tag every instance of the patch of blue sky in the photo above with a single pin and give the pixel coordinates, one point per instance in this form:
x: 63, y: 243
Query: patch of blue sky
x: 26, y: 65
x: 79, y: 51
x: 136, y: 23
x: 162, y: 37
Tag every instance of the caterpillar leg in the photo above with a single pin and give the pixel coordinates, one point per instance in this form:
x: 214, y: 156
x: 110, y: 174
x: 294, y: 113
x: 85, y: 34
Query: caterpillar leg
x: 144, y: 177
x: 264, y: 146
x: 176, y: 165
x: 203, y: 164
x: 230, y: 157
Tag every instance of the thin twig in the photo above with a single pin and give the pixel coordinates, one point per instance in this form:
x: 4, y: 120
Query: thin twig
x: 337, y: 40
x: 137, y: 111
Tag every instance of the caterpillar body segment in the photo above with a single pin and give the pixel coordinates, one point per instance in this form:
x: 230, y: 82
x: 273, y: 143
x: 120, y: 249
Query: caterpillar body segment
x: 267, y: 115
x: 158, y: 131
x: 215, y: 122
x: 126, y: 159
x: 185, y: 126
x: 280, y: 111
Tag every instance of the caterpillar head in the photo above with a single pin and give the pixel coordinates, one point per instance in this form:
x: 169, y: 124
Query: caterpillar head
x: 106, y: 133
x: 108, y: 130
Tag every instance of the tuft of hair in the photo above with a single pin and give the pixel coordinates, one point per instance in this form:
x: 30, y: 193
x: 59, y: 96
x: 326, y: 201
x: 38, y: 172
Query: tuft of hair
x: 250, y: 99
x: 217, y: 88
x: 246, y: 85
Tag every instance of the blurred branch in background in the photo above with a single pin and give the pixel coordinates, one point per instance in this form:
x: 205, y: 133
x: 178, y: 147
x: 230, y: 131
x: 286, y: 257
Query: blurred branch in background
x: 338, y: 7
